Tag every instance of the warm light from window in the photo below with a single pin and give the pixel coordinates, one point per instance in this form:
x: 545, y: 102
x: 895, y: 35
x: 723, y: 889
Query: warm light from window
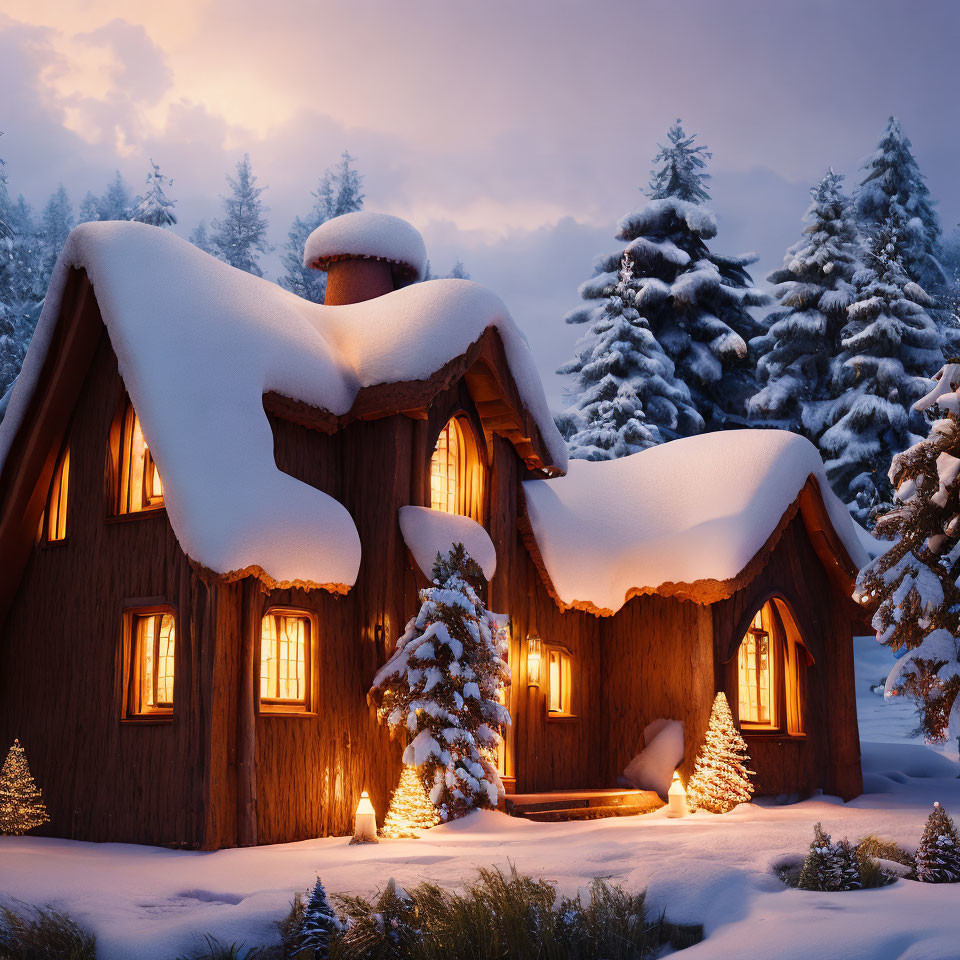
x: 560, y: 682
x: 156, y: 638
x: 139, y: 486
x: 755, y: 668
x: 556, y: 684
x: 283, y: 658
x: 57, y: 513
x: 446, y: 469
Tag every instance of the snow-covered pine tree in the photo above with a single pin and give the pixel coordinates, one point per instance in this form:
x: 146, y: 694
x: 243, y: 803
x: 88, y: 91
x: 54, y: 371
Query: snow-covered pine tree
x: 318, y: 924
x: 822, y: 868
x: 56, y: 222
x: 390, y: 929
x: 201, y: 239
x: 411, y: 810
x: 21, y: 802
x: 938, y: 856
x: 627, y: 393
x: 914, y: 582
x: 458, y: 271
x: 441, y: 687
x: 814, y: 286
x: 24, y: 285
x: 155, y: 207
x: 241, y: 235
x: 720, y: 778
x: 889, y: 348
x: 695, y: 302
x: 338, y: 192
x: 115, y: 203
x: 894, y: 186
x: 846, y: 855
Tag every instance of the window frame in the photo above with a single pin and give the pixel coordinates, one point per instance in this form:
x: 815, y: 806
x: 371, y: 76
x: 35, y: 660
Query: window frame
x: 57, y: 484
x: 132, y: 709
x: 472, y: 480
x: 121, y: 432
x: 557, y: 652
x: 272, y: 707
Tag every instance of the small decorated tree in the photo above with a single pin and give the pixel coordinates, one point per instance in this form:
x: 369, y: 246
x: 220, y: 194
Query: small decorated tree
x: 938, y: 856
x: 318, y: 925
x: 442, y: 687
x: 823, y: 867
x: 410, y: 808
x: 720, y: 778
x: 21, y: 803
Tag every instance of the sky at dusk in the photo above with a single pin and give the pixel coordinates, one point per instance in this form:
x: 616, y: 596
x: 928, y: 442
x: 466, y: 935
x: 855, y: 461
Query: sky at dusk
x: 513, y: 135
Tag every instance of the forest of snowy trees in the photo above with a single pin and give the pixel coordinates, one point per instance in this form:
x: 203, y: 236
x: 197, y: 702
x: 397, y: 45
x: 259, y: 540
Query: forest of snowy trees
x: 679, y: 341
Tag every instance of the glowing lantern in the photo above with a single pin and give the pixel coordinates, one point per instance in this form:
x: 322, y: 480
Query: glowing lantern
x: 677, y: 798
x: 533, y: 660
x: 365, y: 821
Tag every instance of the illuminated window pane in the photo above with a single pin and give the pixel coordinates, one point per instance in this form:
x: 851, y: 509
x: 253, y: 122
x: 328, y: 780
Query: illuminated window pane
x: 284, y: 640
x: 138, y: 480
x: 445, y: 469
x: 57, y: 513
x: 155, y: 643
x: 755, y: 674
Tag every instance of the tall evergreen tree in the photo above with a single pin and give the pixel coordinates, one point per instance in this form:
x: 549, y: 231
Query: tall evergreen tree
x: 458, y: 271
x: 338, y: 192
x: 893, y: 186
x: 241, y: 235
x: 318, y: 925
x: 889, y: 348
x: 155, y: 207
x: 814, y: 286
x: 56, y: 222
x: 695, y: 302
x: 938, y: 856
x: 200, y: 238
x: 115, y: 203
x: 628, y: 396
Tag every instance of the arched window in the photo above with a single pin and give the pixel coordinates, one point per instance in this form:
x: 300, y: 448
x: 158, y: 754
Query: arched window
x: 56, y: 521
x: 138, y: 486
x: 771, y: 672
x: 456, y: 474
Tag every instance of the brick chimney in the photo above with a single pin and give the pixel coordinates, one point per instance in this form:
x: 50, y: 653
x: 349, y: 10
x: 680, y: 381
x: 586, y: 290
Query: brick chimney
x: 365, y: 255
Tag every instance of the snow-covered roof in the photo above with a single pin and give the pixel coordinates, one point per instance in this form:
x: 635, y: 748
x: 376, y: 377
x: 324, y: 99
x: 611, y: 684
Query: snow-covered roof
x: 690, y: 510
x: 199, y: 343
x: 428, y: 532
x: 366, y: 234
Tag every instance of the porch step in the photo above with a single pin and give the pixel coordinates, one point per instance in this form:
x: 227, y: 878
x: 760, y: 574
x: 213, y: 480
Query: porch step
x: 580, y: 804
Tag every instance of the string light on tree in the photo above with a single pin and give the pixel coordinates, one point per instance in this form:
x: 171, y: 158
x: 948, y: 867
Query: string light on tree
x: 720, y: 778
x: 411, y: 810
x: 21, y: 803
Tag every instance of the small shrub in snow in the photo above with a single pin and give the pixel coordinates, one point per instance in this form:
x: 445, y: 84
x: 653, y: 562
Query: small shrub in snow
x: 36, y: 933
x: 720, y: 778
x: 821, y: 869
x: 390, y: 929
x: 227, y: 951
x: 844, y: 866
x: 938, y: 856
x: 441, y: 689
x: 317, y: 926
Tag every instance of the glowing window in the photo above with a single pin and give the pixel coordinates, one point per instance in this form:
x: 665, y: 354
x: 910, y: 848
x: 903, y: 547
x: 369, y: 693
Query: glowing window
x: 559, y: 682
x: 456, y: 475
x: 56, y: 522
x: 154, y: 640
x: 285, y: 661
x: 756, y: 674
x: 139, y: 486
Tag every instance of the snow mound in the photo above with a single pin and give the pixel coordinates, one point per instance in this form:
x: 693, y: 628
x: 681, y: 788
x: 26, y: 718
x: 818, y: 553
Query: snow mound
x: 199, y: 343
x: 693, y: 509
x: 365, y: 234
x: 652, y: 768
x: 428, y: 532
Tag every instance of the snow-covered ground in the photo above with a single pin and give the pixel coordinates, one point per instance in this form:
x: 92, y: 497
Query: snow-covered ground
x: 150, y: 904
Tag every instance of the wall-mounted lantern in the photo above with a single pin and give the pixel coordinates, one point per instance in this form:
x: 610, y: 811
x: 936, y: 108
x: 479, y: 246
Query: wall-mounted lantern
x: 534, y: 646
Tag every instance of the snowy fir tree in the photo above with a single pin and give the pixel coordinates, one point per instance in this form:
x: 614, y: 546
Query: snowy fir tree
x: 914, y: 582
x: 458, y: 271
x: 938, y: 856
x: 849, y: 864
x: 720, y: 778
x: 411, y: 810
x: 441, y: 687
x: 894, y: 186
x: 155, y: 207
x: 318, y: 924
x: 21, y: 803
x: 814, y: 286
x: 115, y: 203
x: 56, y: 222
x: 240, y: 236
x: 390, y: 929
x: 822, y: 868
x: 889, y: 347
x: 626, y: 387
x: 338, y: 192
x: 200, y: 238
x: 694, y: 302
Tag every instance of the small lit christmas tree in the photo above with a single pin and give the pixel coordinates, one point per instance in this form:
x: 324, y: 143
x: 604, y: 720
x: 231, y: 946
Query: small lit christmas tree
x: 938, y: 856
x: 21, y: 803
x: 410, y: 808
x: 318, y: 925
x: 720, y: 778
x: 823, y: 867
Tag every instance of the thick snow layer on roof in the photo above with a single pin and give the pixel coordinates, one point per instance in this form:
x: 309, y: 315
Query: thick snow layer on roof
x: 199, y: 343
x: 365, y: 234
x: 693, y: 509
x: 428, y: 532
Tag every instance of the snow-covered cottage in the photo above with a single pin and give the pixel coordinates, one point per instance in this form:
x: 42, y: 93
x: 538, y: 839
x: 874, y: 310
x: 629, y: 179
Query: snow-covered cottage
x: 217, y: 503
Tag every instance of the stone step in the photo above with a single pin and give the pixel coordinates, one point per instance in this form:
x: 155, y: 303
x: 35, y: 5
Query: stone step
x: 580, y: 804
